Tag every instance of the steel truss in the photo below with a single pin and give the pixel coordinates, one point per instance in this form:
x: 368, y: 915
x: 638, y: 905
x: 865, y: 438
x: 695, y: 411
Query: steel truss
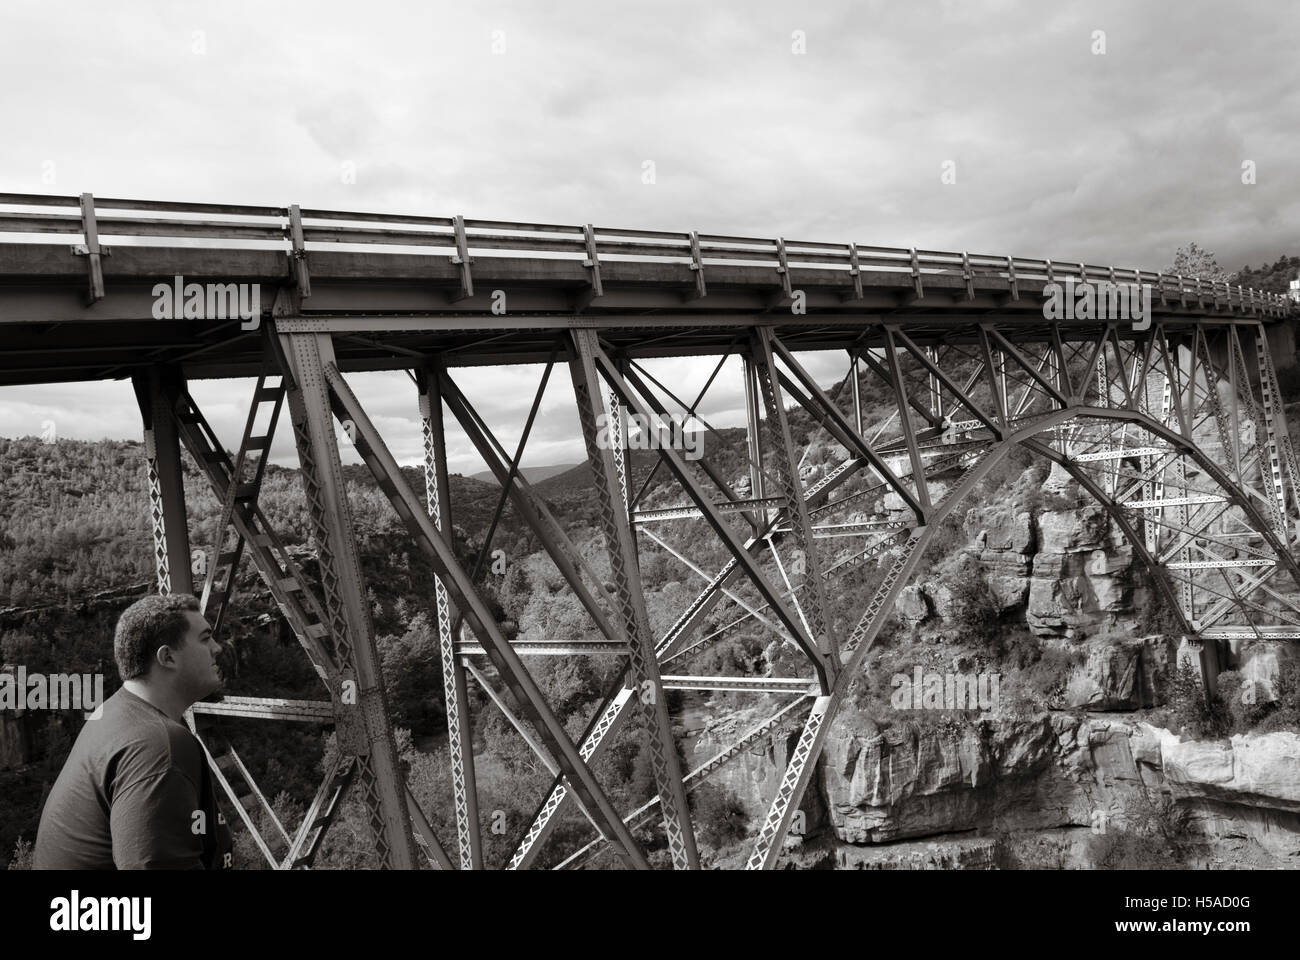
x: 1181, y: 441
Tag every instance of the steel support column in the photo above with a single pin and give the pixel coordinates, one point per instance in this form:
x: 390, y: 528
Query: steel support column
x: 157, y: 393
x: 460, y: 729
x: 626, y: 574
x: 380, y: 777
x: 753, y: 433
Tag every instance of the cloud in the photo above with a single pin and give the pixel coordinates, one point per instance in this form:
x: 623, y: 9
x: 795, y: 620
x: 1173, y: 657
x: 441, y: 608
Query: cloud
x: 1059, y: 151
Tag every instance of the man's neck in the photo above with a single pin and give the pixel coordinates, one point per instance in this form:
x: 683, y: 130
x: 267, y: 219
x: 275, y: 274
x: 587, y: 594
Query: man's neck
x: 168, y: 701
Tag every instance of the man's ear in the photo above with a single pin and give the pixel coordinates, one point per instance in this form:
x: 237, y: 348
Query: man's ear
x: 165, y: 656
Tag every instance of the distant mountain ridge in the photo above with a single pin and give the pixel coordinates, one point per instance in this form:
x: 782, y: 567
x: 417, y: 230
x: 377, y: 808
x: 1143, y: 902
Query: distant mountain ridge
x: 531, y: 474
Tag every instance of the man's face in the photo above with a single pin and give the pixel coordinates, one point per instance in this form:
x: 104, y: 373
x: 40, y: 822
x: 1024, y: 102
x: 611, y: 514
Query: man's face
x: 196, y: 658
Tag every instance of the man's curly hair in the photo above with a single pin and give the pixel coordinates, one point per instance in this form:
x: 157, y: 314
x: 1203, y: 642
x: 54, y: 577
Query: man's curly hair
x: 146, y: 625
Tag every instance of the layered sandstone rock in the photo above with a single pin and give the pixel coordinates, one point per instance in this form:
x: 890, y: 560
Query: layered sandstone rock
x: 1004, y: 537
x: 1085, y: 576
x: 1121, y: 673
x: 1070, y: 569
x: 1055, y: 770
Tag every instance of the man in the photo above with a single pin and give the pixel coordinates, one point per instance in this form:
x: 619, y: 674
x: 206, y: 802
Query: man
x: 135, y: 792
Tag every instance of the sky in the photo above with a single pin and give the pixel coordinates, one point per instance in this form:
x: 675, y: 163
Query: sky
x: 1110, y: 132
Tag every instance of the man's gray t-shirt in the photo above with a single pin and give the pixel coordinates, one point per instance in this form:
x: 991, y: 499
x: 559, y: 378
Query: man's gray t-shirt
x: 134, y: 794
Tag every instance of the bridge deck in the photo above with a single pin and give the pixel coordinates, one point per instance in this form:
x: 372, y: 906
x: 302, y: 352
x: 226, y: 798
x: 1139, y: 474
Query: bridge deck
x: 403, y: 286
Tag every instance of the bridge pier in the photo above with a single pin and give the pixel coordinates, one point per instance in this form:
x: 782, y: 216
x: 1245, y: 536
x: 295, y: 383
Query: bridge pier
x: 157, y: 392
x: 460, y: 730
x: 364, y: 728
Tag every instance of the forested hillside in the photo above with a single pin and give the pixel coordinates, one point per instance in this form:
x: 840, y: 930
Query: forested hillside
x: 76, y: 524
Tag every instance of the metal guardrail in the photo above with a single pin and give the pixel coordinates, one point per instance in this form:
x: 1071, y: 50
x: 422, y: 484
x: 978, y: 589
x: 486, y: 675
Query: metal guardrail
x: 298, y: 227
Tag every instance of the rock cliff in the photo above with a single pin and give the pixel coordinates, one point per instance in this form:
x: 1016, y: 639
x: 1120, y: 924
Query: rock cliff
x: 1086, y: 775
x: 1065, y: 564
x: 1050, y: 786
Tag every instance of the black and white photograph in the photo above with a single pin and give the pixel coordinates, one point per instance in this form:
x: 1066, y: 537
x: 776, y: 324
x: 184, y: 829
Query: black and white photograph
x: 585, y: 436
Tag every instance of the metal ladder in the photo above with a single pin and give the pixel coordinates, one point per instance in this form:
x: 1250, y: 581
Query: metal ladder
x: 240, y: 495
x: 282, y: 575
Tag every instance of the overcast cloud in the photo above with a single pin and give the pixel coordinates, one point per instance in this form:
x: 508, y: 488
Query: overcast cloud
x: 1116, y: 158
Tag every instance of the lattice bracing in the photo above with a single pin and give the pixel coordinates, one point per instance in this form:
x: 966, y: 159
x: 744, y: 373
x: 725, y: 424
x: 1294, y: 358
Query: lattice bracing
x: 1175, y: 427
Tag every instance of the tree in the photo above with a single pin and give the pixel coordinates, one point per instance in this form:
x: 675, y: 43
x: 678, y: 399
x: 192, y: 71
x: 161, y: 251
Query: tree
x: 412, y: 672
x: 1195, y: 261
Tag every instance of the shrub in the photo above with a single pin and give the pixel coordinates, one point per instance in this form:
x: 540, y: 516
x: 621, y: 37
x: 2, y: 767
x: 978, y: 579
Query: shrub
x: 974, y: 610
x: 22, y: 858
x: 949, y: 539
x: 1018, y: 648
x: 1050, y: 673
x: 1029, y: 851
x: 412, y: 672
x: 719, y: 816
x: 1151, y: 835
x: 1156, y: 617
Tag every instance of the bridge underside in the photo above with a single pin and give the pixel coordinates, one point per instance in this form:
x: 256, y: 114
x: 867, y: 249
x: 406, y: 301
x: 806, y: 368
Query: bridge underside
x: 1175, y: 427
x: 389, y: 307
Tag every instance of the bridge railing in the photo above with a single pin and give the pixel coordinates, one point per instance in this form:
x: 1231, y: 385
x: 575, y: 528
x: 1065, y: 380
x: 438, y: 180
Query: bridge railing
x: 190, y: 224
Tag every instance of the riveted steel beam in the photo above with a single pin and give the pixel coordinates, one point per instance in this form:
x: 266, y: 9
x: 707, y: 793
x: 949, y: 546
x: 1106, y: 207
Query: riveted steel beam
x: 345, y: 598
x: 158, y: 393
x: 460, y: 729
x: 629, y: 594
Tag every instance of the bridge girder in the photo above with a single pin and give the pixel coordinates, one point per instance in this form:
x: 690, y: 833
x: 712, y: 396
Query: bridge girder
x: 1175, y: 429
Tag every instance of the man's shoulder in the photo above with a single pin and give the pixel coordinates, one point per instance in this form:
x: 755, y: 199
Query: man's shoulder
x: 145, y: 741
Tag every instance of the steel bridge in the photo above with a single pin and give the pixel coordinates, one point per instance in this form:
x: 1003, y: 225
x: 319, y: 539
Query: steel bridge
x: 1175, y: 428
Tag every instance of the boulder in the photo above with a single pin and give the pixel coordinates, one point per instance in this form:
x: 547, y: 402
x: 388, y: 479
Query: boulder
x: 1009, y: 592
x: 911, y: 604
x: 940, y: 596
x: 1063, y: 532
x: 998, y: 528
